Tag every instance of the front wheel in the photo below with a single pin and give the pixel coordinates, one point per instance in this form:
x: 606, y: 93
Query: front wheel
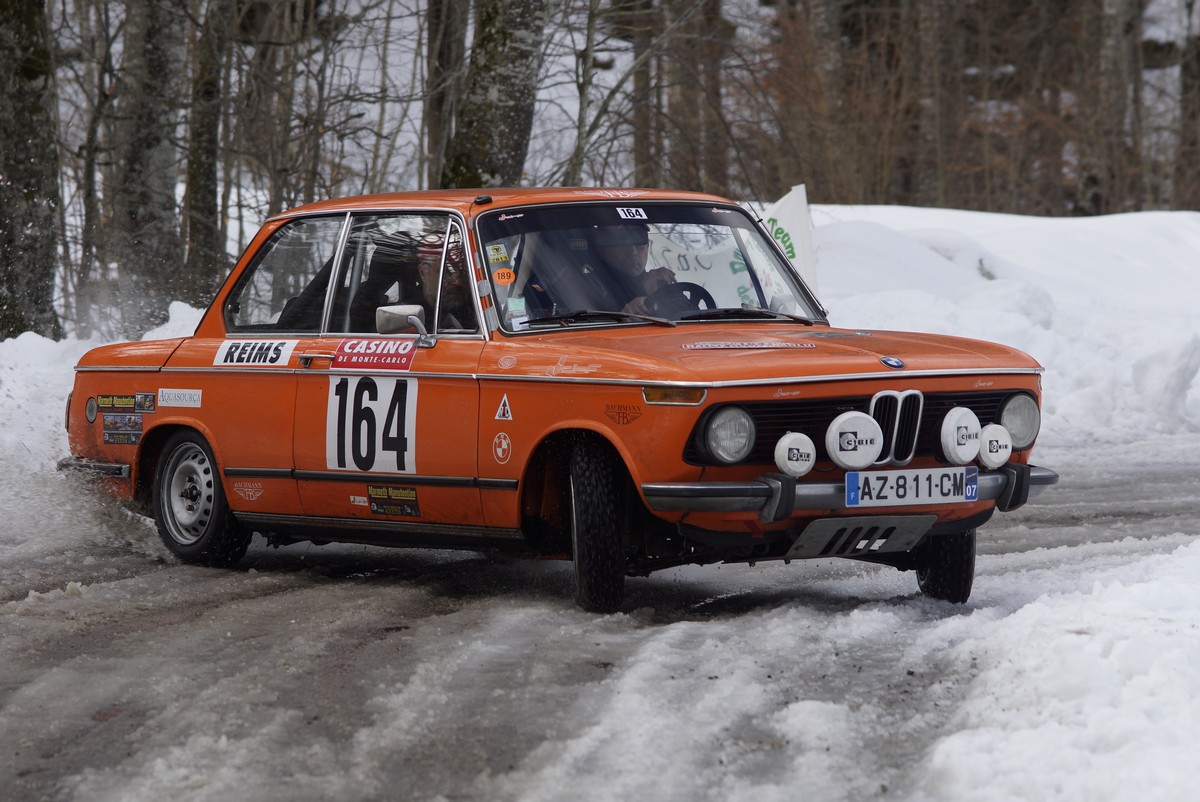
x: 596, y: 542
x: 193, y: 517
x: 946, y: 566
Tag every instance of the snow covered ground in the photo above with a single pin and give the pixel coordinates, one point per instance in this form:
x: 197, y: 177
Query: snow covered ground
x: 351, y: 673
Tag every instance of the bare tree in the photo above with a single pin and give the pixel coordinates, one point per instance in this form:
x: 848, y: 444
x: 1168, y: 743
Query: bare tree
x: 445, y: 60
x: 145, y: 241
x: 29, y: 194
x: 203, y: 232
x: 492, y: 129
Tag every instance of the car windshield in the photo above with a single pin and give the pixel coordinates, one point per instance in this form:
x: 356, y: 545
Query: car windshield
x: 643, y: 263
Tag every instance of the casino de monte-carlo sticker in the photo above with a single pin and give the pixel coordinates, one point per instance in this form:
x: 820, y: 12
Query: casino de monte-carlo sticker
x: 374, y: 354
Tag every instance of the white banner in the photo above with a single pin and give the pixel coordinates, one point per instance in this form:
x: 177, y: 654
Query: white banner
x: 789, y: 222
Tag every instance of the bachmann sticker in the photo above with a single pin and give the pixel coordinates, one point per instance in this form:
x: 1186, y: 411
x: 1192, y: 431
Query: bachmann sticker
x: 254, y: 353
x: 722, y: 346
x: 248, y: 490
x: 622, y: 414
x: 401, y: 501
x: 375, y: 354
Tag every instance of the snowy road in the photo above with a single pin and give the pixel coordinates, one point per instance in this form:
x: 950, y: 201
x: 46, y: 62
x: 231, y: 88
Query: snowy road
x: 348, y: 672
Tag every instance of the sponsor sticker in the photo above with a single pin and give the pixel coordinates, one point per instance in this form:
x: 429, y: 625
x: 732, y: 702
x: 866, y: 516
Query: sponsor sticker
x: 135, y: 402
x: 374, y: 354
x: 254, y: 353
x: 398, y: 501
x: 169, y: 397
x: 121, y: 429
x: 504, y: 411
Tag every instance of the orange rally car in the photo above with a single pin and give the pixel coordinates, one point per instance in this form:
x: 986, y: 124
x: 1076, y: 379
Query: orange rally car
x: 630, y: 379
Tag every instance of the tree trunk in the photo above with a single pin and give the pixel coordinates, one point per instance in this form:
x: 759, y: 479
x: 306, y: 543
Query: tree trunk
x: 206, y: 253
x: 145, y: 223
x: 445, y: 63
x: 29, y: 194
x: 491, y: 137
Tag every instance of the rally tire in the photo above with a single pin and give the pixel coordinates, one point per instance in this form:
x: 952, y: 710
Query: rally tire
x: 946, y: 566
x: 596, y: 543
x: 190, y: 508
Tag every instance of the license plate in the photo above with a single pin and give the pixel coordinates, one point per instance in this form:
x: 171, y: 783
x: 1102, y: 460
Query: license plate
x: 912, y: 487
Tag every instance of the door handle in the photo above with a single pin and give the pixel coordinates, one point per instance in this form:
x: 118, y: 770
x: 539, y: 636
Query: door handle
x: 306, y: 360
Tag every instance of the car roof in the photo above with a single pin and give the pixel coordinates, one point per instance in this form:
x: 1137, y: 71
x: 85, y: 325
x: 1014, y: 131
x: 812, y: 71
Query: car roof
x: 475, y: 201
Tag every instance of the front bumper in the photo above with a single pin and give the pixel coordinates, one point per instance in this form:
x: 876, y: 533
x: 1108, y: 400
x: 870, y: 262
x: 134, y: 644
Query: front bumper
x: 776, y: 496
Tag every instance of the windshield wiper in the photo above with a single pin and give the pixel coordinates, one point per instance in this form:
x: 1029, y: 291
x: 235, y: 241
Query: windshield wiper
x: 568, y: 318
x: 743, y: 312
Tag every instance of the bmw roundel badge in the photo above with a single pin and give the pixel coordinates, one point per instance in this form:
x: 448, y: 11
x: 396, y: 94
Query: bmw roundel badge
x: 892, y: 362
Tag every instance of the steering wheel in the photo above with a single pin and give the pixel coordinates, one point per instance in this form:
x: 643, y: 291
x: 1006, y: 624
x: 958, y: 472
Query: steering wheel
x: 672, y: 300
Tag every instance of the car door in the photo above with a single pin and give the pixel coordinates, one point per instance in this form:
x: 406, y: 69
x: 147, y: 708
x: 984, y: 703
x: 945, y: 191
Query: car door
x: 237, y: 382
x: 386, y: 423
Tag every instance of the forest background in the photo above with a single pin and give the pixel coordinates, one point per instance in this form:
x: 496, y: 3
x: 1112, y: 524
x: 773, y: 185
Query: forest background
x: 142, y: 141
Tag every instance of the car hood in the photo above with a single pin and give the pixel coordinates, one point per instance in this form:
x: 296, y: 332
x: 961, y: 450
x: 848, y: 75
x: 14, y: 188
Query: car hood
x: 739, y: 353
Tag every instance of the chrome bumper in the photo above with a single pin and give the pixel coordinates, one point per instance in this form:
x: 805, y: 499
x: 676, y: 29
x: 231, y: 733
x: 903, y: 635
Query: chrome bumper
x: 776, y: 496
x: 119, y: 470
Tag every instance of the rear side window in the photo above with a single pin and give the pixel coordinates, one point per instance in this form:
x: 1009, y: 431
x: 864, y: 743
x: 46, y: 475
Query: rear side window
x: 285, y: 287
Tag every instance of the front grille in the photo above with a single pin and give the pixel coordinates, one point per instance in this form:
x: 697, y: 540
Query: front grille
x: 910, y: 421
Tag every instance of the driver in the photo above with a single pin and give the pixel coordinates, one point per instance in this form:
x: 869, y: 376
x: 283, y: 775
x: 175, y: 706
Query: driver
x: 624, y: 250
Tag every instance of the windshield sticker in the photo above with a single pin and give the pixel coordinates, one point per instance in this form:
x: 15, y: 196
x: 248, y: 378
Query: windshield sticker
x: 122, y: 430
x: 504, y: 276
x: 374, y: 354
x: 180, y: 398
x: 504, y: 411
x: 723, y: 346
x: 400, y: 501
x: 255, y: 353
x: 631, y: 213
x: 497, y: 253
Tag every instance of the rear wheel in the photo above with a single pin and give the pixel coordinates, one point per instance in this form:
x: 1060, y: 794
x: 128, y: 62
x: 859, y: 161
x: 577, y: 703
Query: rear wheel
x: 946, y: 566
x: 193, y: 517
x: 596, y: 543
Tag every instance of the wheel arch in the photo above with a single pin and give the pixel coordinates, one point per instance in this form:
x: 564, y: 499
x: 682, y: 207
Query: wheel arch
x: 543, y: 485
x: 150, y: 451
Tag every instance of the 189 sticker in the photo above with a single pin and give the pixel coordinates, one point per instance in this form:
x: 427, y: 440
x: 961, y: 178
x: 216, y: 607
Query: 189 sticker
x: 370, y: 424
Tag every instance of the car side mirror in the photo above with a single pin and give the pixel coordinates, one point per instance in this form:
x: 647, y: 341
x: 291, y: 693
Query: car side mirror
x: 399, y: 318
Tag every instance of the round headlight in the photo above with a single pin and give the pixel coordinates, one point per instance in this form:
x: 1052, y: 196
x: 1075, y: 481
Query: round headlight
x: 729, y: 435
x: 1022, y: 418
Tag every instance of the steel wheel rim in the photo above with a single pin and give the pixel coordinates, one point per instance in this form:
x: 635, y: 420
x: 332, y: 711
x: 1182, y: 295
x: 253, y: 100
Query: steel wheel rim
x: 188, y: 494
